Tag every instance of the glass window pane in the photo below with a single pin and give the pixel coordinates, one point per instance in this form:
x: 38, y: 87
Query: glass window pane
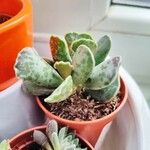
x: 141, y: 3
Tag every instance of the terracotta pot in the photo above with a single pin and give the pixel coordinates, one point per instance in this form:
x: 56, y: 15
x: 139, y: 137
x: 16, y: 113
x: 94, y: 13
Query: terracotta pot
x: 22, y: 140
x: 15, y: 34
x: 90, y: 130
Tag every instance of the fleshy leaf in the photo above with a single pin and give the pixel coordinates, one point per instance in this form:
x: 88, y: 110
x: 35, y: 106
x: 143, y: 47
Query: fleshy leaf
x: 4, y: 145
x: 72, y: 36
x: 70, y: 147
x: 34, y: 89
x: 83, y: 64
x: 62, y: 133
x: 30, y: 66
x: 64, y: 68
x: 52, y: 127
x: 75, y: 141
x: 106, y: 93
x: 103, y: 74
x: 55, y: 141
x: 59, y: 49
x: 62, y: 92
x: 103, y: 48
x: 89, y: 43
x: 85, y: 36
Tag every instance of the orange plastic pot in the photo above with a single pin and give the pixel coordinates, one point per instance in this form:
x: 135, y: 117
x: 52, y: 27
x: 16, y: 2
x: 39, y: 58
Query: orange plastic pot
x: 90, y: 130
x: 15, y: 34
x: 25, y: 138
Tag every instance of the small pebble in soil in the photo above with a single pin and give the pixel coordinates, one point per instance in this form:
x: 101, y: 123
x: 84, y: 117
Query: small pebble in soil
x: 80, y: 107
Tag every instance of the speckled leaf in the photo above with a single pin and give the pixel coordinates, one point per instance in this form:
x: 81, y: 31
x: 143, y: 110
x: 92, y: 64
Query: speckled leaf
x: 62, y: 92
x: 89, y: 43
x: 59, y: 49
x: 103, y: 48
x: 64, y: 68
x: 34, y: 89
x: 83, y: 64
x: 85, y: 36
x: 40, y: 138
x: 103, y: 74
x: 72, y: 36
x: 30, y: 66
x: 52, y: 127
x: 4, y: 145
x: 106, y: 93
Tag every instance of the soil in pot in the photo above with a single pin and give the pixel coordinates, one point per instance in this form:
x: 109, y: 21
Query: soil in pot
x: 33, y: 146
x: 4, y: 18
x: 81, y: 107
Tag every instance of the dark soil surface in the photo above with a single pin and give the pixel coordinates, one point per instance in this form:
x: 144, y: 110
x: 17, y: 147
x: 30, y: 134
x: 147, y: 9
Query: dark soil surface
x: 33, y: 146
x: 4, y: 18
x: 80, y: 107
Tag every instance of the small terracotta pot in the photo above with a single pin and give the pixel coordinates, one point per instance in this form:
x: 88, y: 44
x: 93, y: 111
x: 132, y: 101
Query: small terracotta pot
x: 25, y: 138
x: 15, y: 34
x: 90, y: 130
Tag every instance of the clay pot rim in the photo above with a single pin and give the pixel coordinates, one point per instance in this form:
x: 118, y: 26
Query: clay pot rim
x: 42, y: 127
x: 19, y: 17
x: 48, y: 113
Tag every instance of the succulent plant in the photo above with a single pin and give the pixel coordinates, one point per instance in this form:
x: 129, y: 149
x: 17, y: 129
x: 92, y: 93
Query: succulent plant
x: 78, y: 63
x: 56, y: 139
x: 4, y: 145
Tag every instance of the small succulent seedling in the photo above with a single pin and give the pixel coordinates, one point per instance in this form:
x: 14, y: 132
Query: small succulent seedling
x: 4, y: 145
x: 78, y: 63
x: 56, y: 139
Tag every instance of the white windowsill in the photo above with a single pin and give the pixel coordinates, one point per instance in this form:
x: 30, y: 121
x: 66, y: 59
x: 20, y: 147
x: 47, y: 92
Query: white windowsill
x: 125, y: 19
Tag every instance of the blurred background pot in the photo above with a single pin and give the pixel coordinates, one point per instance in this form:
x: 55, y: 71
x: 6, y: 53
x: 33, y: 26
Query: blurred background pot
x: 15, y: 34
x: 18, y: 111
x: 24, y: 139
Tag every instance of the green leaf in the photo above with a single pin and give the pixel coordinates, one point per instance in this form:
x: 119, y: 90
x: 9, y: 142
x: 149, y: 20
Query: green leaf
x: 34, y: 89
x: 59, y: 49
x: 106, y: 93
x: 30, y: 66
x: 55, y: 141
x: 4, y: 145
x: 72, y: 36
x: 70, y: 147
x: 76, y: 141
x: 88, y: 42
x: 64, y: 68
x: 62, y: 133
x: 85, y: 36
x: 83, y: 63
x: 103, y: 49
x: 62, y: 92
x: 104, y: 74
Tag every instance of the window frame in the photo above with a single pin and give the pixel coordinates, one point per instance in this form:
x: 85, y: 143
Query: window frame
x: 123, y: 19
